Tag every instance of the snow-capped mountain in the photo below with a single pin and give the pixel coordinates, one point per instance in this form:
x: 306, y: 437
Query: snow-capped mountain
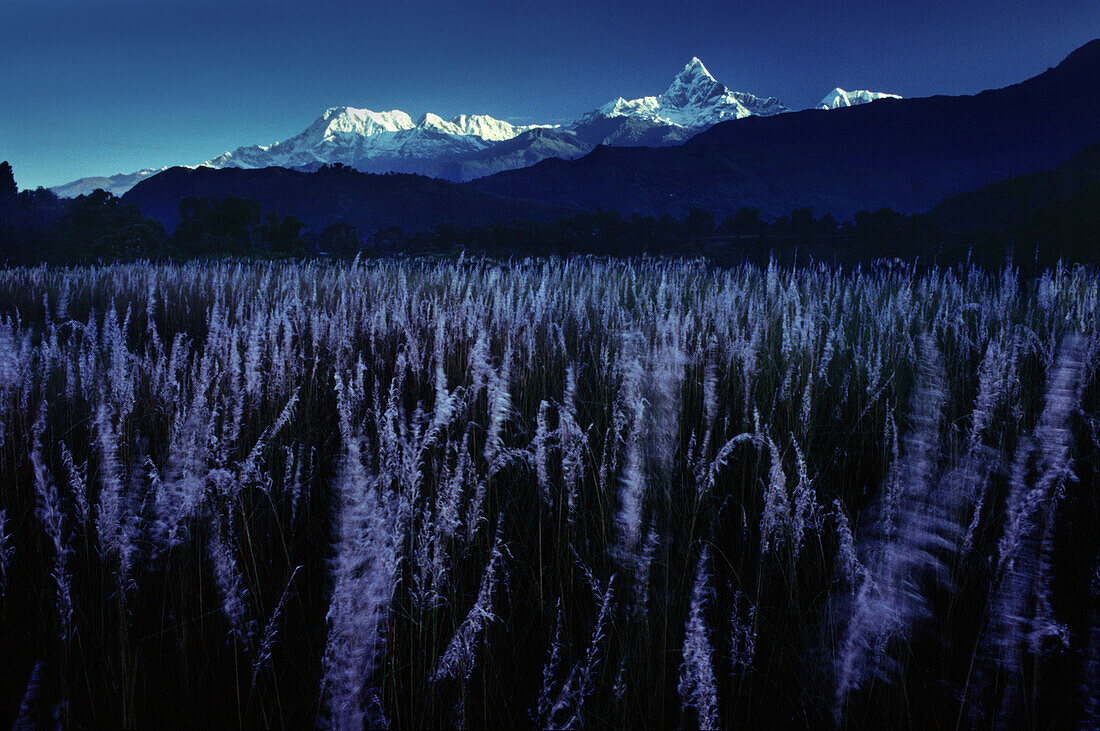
x: 471, y: 146
x: 694, y: 100
x: 838, y: 98
x: 115, y: 184
x: 356, y: 137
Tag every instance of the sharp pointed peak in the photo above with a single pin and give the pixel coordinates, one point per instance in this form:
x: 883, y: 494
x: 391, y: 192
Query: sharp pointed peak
x: 694, y: 69
x: 693, y: 79
x: 693, y: 85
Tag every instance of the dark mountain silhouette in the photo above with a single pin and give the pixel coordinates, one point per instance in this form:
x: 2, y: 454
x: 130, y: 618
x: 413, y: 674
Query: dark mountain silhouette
x: 1006, y: 203
x: 904, y: 154
x: 1053, y: 212
x: 366, y: 201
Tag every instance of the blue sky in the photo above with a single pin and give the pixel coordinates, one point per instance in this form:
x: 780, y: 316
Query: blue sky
x: 97, y: 88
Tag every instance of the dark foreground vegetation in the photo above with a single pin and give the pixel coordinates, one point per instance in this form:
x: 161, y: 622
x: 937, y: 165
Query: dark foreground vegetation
x: 1035, y: 221
x: 549, y: 494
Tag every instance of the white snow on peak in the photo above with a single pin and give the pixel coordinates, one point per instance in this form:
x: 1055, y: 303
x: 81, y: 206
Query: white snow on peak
x: 477, y: 125
x: 694, y: 100
x: 344, y: 120
x: 349, y: 135
x: 838, y: 98
x: 693, y: 85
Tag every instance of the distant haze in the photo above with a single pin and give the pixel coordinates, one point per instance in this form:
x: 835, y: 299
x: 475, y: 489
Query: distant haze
x: 98, y: 88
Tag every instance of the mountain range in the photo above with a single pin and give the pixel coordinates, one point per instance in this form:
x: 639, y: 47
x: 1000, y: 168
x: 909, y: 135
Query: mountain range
x: 904, y: 154
x: 467, y: 147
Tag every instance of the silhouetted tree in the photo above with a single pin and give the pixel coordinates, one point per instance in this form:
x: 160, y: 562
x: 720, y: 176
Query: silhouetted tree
x: 283, y: 235
x: 802, y: 220
x: 446, y: 235
x: 698, y: 222
x: 826, y: 224
x: 216, y: 228
x: 884, y: 220
x: 745, y: 221
x: 389, y: 239
x: 98, y: 227
x: 7, y: 180
x: 340, y: 239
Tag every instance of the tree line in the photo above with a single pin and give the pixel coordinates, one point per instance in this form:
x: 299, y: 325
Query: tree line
x: 38, y: 227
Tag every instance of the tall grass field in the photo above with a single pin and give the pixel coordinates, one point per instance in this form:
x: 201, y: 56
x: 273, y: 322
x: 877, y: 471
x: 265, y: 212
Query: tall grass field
x: 549, y: 494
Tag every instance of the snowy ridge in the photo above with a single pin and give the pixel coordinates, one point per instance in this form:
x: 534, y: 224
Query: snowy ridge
x: 114, y: 184
x: 838, y: 98
x: 694, y: 100
x: 353, y: 136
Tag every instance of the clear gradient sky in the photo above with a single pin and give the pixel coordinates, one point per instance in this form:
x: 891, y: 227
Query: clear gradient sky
x: 98, y: 88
